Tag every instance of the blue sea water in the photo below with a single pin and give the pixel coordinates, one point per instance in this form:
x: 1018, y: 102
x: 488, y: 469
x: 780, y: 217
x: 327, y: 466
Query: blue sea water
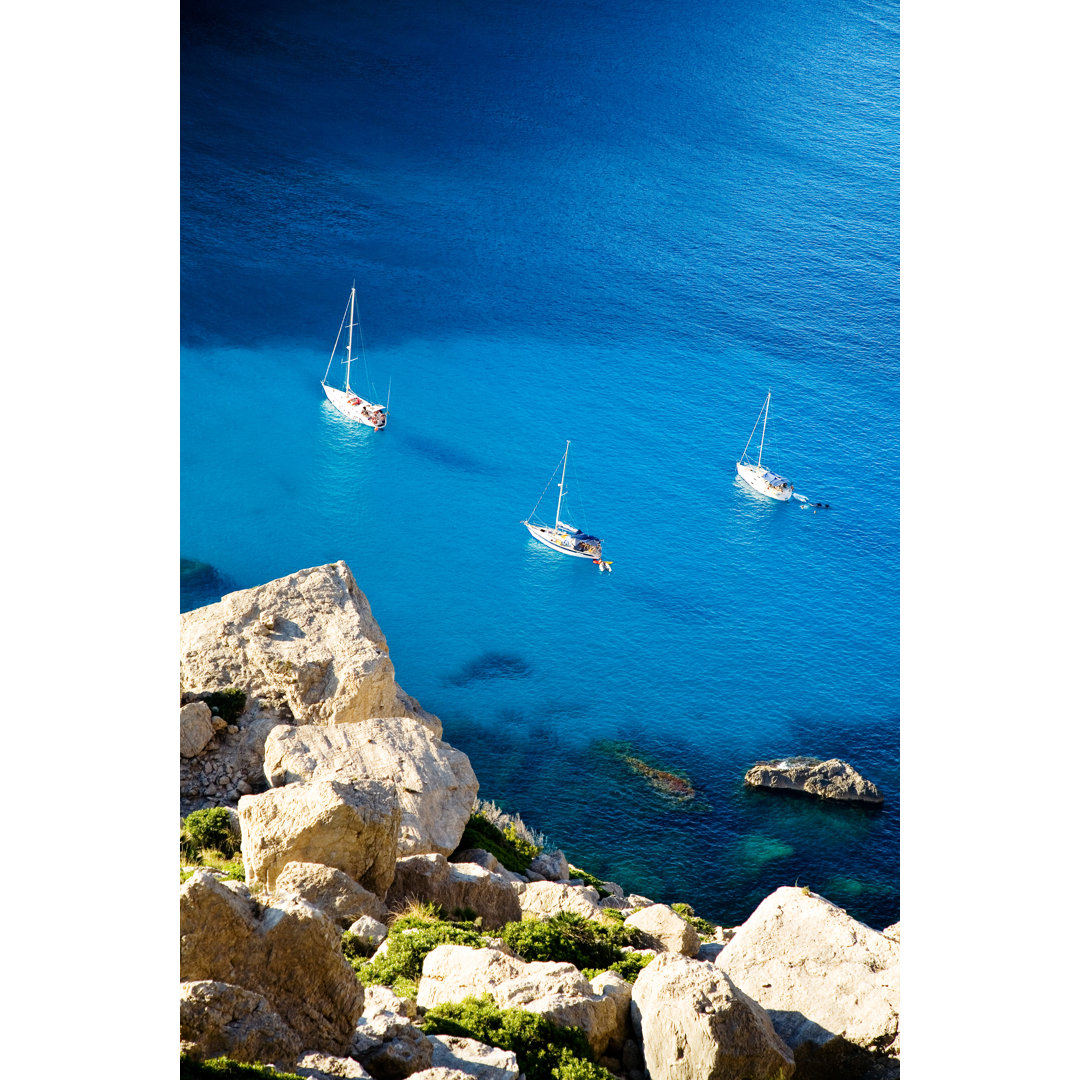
x: 618, y: 223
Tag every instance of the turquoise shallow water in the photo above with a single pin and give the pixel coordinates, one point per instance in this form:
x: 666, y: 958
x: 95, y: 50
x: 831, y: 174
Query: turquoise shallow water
x: 618, y: 225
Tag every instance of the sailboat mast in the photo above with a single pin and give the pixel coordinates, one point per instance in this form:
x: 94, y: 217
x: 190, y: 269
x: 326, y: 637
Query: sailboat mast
x: 762, y: 446
x: 348, y: 350
x: 558, y: 508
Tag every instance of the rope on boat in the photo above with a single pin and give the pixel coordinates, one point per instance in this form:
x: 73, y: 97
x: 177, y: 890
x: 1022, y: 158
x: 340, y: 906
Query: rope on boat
x: 544, y: 492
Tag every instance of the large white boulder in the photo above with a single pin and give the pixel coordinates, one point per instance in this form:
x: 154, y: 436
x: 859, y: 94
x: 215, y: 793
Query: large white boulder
x: 287, y: 951
x: 351, y: 826
x: 218, y: 1019
x: 196, y: 728
x: 307, y: 641
x: 436, y: 784
x: 542, y: 899
x: 473, y: 1058
x: 665, y: 930
x: 819, y: 972
x: 694, y: 1023
x: 456, y: 886
x: 333, y: 892
x: 452, y: 973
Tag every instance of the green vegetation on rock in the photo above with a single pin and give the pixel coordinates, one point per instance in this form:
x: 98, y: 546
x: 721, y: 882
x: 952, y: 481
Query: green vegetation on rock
x: 228, y: 704
x: 224, y: 1068
x: 544, y: 1051
x: 507, y: 844
x: 590, y: 946
x: 210, y: 829
x: 412, y: 936
x: 589, y: 879
x: 702, y: 926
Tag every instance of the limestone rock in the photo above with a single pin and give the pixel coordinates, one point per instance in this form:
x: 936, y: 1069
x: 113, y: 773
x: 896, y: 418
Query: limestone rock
x: 317, y: 1066
x: 611, y: 985
x: 552, y: 866
x: 665, y: 930
x: 218, y: 1019
x: 407, y: 1052
x: 456, y: 885
x: 196, y: 728
x: 560, y: 992
x: 473, y: 1058
x: 381, y: 999
x: 332, y: 891
x: 693, y: 1022
x: 441, y: 1072
x: 435, y: 782
x: 350, y: 826
x: 832, y: 779
x: 308, y: 640
x: 481, y: 858
x: 893, y: 932
x: 288, y: 952
x: 389, y: 1045
x: 818, y: 972
x: 542, y: 899
x: 709, y: 951
x: 370, y: 930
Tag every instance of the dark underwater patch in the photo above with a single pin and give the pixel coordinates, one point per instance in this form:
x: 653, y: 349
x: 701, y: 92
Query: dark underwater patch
x: 491, y: 665
x: 444, y: 453
x: 200, y: 584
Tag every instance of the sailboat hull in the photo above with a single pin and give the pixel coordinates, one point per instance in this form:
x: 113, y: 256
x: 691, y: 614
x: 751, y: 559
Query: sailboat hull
x: 764, y: 482
x: 564, y: 542
x: 356, y: 408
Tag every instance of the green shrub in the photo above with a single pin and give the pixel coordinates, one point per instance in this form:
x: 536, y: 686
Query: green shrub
x: 208, y: 829
x: 357, y: 950
x: 629, y: 966
x: 512, y: 849
x: 544, y: 1051
x: 224, y: 1068
x: 568, y: 938
x: 589, y: 879
x: 406, y: 946
x: 702, y: 926
x: 228, y: 704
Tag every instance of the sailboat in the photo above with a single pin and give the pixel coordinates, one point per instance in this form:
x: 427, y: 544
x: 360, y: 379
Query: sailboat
x: 757, y: 476
x: 562, y: 537
x: 347, y: 401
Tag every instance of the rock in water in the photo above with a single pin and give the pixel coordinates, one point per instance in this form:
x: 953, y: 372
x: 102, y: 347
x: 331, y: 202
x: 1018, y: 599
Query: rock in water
x: 832, y: 779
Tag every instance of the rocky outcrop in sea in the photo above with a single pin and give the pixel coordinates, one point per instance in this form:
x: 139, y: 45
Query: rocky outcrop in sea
x: 348, y: 810
x: 832, y: 779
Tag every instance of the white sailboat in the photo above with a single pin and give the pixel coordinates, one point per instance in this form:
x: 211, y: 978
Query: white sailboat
x: 564, y: 538
x: 347, y: 401
x: 757, y: 476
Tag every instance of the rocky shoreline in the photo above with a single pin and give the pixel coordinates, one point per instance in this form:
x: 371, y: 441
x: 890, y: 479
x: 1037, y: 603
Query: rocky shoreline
x: 368, y: 919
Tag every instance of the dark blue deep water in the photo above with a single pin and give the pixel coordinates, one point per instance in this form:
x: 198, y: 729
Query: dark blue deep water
x: 616, y: 222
